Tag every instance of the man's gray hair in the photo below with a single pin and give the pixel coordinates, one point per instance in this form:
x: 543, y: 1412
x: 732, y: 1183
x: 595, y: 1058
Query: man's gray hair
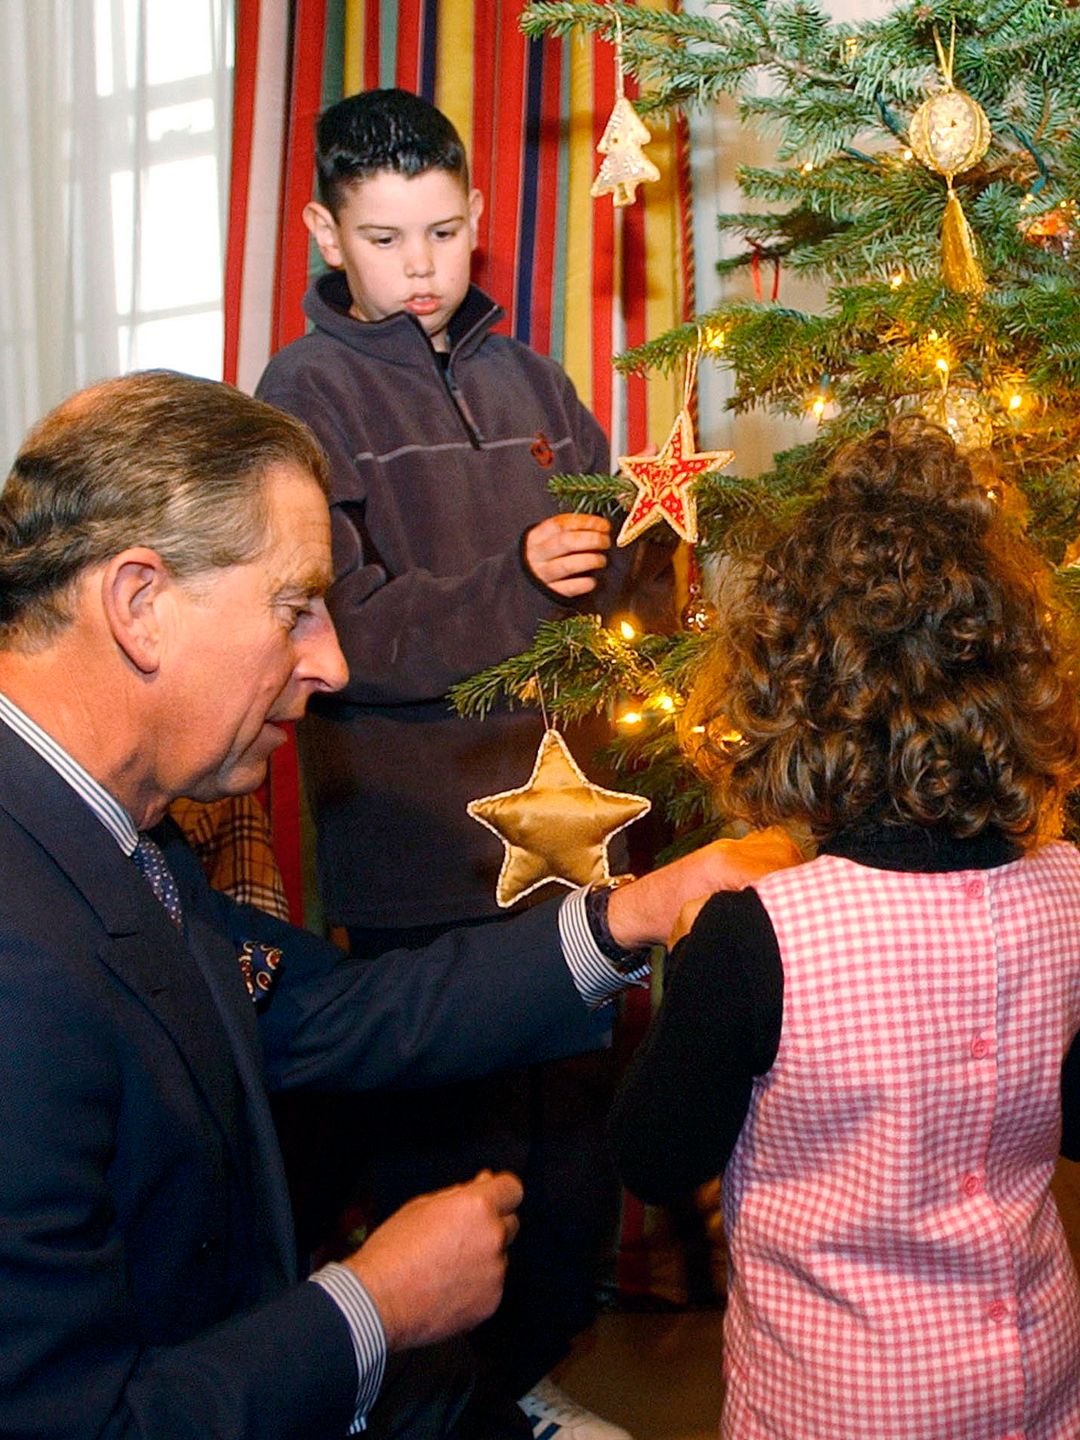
x: 156, y: 459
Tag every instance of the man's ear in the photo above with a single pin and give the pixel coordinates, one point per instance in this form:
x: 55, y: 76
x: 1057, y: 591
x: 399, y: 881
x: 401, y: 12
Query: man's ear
x: 322, y: 227
x: 134, y: 589
x: 476, y: 209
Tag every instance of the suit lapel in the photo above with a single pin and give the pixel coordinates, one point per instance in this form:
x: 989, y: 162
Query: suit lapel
x: 217, y: 959
x: 179, y: 979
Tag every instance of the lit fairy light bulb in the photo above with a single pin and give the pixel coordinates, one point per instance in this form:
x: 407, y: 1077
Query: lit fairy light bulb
x: 896, y: 279
x: 627, y: 631
x: 816, y: 408
x: 665, y: 703
x: 631, y: 718
x: 1015, y: 402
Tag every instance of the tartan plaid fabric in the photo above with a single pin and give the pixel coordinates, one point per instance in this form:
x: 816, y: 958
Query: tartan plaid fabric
x: 900, y: 1268
x: 232, y: 840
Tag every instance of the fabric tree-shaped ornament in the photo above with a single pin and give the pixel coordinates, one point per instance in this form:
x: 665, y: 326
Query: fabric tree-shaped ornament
x: 625, y: 166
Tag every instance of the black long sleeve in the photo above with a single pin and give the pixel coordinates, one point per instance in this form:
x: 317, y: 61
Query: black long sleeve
x: 1070, y: 1103
x: 687, y: 1090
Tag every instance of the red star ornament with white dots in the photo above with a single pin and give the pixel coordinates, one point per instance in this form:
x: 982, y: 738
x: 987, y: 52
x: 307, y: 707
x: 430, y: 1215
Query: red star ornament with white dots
x: 664, y: 483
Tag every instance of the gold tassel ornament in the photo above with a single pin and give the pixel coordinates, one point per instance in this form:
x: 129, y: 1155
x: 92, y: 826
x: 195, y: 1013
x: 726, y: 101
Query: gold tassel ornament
x: 959, y: 265
x: 949, y: 133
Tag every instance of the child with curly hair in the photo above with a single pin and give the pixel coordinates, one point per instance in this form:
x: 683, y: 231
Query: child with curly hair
x: 870, y: 1046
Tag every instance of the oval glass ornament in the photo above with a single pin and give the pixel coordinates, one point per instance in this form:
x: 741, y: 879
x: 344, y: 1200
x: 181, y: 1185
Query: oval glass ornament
x: 949, y: 132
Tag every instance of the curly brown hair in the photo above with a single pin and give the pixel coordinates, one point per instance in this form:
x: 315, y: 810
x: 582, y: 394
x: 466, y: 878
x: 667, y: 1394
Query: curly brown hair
x: 896, y: 657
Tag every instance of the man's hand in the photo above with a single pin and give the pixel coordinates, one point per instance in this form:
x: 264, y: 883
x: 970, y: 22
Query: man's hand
x: 437, y: 1266
x: 563, y: 550
x: 648, y: 911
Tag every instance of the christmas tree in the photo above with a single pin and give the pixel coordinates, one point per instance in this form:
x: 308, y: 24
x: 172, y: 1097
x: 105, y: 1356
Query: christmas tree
x: 927, y: 166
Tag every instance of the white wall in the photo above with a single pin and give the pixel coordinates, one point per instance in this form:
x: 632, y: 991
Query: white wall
x: 719, y: 145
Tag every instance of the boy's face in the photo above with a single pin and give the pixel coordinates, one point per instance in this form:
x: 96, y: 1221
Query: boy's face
x: 404, y: 244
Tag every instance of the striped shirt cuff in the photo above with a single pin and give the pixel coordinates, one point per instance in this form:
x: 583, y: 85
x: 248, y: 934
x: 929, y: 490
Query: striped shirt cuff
x: 365, y: 1327
x: 597, y: 980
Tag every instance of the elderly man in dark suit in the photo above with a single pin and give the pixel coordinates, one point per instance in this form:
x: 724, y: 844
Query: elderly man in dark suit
x: 164, y: 552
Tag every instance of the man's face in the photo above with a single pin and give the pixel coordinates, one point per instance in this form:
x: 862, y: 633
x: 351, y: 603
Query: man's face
x: 253, y: 643
x: 404, y: 244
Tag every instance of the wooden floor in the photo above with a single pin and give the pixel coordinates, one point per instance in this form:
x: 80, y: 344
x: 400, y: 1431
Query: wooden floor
x: 659, y: 1374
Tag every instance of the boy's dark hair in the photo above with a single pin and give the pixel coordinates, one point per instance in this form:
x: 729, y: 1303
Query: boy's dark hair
x: 896, y: 657
x: 383, y: 130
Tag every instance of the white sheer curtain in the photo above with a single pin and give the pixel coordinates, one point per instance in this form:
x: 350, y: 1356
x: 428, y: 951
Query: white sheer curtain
x: 114, y: 144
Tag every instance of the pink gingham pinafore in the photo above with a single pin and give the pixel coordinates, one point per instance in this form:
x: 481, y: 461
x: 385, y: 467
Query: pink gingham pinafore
x: 900, y: 1269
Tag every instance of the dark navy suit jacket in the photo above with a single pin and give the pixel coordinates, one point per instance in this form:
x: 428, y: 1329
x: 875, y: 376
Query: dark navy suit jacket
x: 147, y: 1282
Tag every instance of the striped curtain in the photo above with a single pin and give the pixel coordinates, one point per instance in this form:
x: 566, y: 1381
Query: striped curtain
x: 578, y: 279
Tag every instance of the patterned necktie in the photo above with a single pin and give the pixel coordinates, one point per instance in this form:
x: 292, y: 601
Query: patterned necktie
x: 151, y: 861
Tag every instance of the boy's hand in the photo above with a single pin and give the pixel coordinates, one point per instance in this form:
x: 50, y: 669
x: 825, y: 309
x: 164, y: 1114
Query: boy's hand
x: 563, y: 551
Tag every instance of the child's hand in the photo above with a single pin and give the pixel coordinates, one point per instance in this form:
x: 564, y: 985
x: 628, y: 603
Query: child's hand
x: 685, y: 920
x: 656, y: 905
x: 562, y: 551
x: 734, y: 864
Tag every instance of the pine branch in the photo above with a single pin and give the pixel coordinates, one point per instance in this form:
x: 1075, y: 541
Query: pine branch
x: 592, y: 494
x: 573, y: 668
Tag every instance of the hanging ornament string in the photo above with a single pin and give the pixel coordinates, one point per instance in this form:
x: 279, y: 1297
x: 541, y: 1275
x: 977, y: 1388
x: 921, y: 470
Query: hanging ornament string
x: 539, y: 689
x: 690, y: 369
x: 949, y: 133
x: 755, y: 273
x: 664, y: 482
x: 625, y: 165
x: 698, y: 613
x: 558, y: 825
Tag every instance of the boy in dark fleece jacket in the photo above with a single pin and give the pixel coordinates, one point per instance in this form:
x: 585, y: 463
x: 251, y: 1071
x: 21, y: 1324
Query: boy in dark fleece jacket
x: 448, y: 552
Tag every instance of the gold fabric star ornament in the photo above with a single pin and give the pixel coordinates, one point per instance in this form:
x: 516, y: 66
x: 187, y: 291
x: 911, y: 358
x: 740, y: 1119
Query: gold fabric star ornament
x: 664, y: 483
x: 555, y: 827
